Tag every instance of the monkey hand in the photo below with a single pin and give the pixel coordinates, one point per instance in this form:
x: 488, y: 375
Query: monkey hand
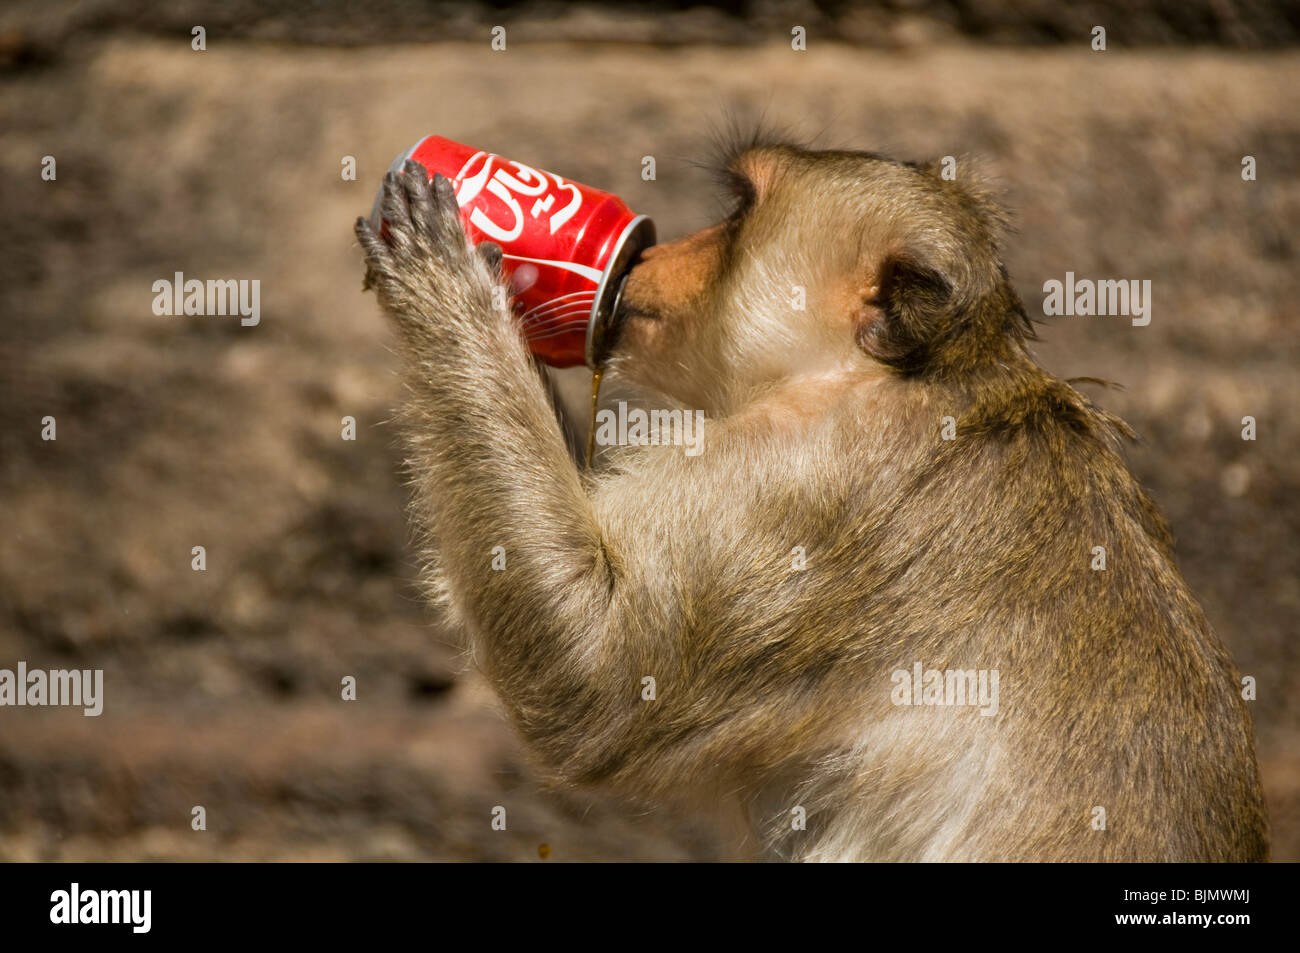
x: 421, y: 265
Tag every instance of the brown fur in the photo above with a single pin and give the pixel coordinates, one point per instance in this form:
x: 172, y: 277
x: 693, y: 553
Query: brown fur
x: 824, y: 432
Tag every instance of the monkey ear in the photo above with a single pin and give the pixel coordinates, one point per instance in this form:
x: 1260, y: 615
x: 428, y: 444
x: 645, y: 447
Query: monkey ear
x: 908, y: 317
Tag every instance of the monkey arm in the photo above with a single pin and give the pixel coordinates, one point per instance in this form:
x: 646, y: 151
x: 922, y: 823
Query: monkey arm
x: 569, y: 612
x: 494, y: 482
x: 522, y: 560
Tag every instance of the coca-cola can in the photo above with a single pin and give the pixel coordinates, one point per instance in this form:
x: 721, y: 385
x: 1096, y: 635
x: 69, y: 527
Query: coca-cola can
x: 566, y: 247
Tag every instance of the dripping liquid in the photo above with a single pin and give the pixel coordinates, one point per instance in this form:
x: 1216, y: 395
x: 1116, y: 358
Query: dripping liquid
x: 595, y: 401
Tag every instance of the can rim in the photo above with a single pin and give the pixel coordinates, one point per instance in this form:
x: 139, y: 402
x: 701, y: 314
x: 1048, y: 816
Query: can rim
x: 602, y: 310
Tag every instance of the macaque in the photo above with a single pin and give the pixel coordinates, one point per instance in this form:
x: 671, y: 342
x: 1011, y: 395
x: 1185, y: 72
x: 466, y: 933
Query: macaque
x: 890, y: 491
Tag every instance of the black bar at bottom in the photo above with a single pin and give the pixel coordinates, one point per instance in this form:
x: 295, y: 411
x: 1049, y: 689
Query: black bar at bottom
x: 616, y: 904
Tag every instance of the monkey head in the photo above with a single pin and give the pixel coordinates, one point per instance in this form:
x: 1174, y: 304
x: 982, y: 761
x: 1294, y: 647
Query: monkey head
x: 829, y: 263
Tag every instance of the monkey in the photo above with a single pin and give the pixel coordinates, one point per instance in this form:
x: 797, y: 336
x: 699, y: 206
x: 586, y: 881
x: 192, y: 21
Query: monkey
x: 890, y: 486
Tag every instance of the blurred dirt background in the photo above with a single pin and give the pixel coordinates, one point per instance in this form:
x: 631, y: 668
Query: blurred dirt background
x: 223, y: 686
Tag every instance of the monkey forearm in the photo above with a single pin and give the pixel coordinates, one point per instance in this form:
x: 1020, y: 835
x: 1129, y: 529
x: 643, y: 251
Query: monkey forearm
x: 501, y: 492
x: 553, y: 596
x: 495, y: 483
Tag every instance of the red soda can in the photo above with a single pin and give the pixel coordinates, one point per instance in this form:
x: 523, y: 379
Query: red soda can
x: 566, y: 248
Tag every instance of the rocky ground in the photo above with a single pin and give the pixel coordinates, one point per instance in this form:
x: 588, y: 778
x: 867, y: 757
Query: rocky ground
x: 223, y: 685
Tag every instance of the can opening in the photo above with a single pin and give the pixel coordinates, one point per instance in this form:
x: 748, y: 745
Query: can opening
x: 637, y: 236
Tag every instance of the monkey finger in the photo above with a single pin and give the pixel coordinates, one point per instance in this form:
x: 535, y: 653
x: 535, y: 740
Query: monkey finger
x: 415, y: 179
x: 376, y: 250
x: 364, y: 230
x: 447, y: 210
x: 395, y: 209
x: 491, y: 254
